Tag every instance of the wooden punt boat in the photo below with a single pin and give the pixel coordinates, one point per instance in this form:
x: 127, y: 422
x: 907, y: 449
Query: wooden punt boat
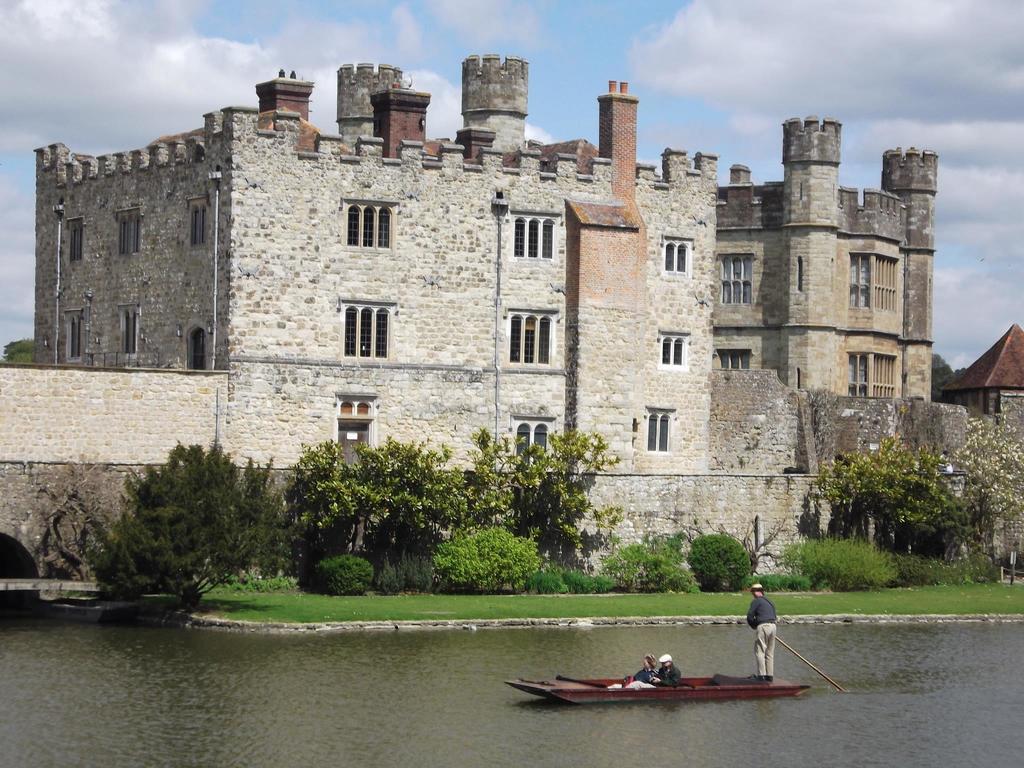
x: 716, y: 688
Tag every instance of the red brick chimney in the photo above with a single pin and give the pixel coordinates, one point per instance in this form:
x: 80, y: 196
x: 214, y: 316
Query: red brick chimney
x: 473, y: 140
x: 285, y: 93
x: 399, y: 114
x: 617, y: 137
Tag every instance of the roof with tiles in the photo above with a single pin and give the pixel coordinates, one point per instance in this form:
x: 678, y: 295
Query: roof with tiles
x: 584, y: 151
x: 1001, y: 366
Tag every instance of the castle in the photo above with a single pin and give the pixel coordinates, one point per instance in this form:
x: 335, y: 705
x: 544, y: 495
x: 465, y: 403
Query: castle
x: 265, y: 284
x: 374, y: 283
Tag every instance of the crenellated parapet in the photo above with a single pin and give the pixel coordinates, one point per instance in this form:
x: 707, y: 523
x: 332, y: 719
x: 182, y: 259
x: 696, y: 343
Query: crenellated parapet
x: 879, y: 214
x: 748, y: 206
x: 356, y: 83
x: 494, y: 97
x: 911, y: 171
x: 811, y: 141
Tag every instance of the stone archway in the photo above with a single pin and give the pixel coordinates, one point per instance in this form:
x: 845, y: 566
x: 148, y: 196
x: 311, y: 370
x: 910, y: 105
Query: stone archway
x: 15, y: 561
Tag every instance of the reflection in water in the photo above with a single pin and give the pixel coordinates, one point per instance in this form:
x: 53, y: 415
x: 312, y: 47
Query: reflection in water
x: 113, y: 696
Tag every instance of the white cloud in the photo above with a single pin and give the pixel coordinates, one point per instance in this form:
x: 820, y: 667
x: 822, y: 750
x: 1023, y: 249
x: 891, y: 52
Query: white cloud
x: 914, y: 58
x: 481, y: 23
x: 444, y: 115
x: 536, y: 133
x: 961, y: 337
x: 17, y: 263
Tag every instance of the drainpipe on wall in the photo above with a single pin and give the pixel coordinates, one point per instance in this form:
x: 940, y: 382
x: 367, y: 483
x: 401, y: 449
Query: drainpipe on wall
x: 215, y: 178
x: 499, y: 206
x: 906, y: 329
x: 58, y: 209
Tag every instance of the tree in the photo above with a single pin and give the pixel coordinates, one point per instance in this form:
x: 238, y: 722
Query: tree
x: 20, y: 351
x: 992, y: 460
x: 540, y: 492
x: 942, y: 374
x: 899, y: 493
x: 191, y: 524
x: 397, y: 498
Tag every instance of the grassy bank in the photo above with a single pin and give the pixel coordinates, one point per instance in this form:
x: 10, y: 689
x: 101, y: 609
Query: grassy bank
x: 301, y: 607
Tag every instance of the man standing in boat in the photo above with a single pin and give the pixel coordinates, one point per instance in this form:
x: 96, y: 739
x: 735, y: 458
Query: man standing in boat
x: 761, y: 617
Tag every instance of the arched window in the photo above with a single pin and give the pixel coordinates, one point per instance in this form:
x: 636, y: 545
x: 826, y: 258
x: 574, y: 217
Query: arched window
x: 540, y: 435
x: 531, y: 249
x: 369, y: 225
x: 670, y: 257
x: 384, y: 228
x: 353, y: 225
x: 736, y: 272
x: 522, y: 438
x: 519, y: 244
x: 675, y: 350
x: 197, y: 349
x: 533, y: 237
x: 530, y: 339
x: 800, y: 273
x: 549, y: 239
x: 657, y: 432
x: 366, y: 331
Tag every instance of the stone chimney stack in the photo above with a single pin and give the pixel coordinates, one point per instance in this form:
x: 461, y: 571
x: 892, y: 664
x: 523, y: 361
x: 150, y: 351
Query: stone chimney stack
x: 399, y: 114
x: 473, y: 140
x: 288, y: 93
x: 617, y: 136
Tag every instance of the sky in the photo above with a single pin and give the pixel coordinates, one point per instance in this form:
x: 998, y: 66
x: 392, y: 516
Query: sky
x: 715, y: 76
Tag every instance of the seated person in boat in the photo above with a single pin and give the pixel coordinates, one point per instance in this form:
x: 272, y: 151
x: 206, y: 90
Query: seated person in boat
x: 641, y: 679
x: 667, y: 674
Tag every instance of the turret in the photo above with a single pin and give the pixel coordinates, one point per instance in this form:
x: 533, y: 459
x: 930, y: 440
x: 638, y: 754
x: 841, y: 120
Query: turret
x: 355, y: 85
x: 810, y: 154
x: 913, y: 176
x: 494, y: 94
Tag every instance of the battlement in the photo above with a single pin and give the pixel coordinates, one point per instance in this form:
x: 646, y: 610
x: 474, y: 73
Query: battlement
x: 809, y: 140
x: 911, y: 171
x: 748, y: 206
x: 494, y: 97
x: 356, y: 83
x: 879, y: 214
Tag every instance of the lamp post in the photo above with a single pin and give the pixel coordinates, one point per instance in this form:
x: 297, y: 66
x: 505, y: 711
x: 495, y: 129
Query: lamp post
x: 58, y: 211
x: 499, y: 207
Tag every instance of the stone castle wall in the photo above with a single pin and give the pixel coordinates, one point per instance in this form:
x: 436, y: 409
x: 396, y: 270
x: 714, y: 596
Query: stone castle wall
x: 119, y: 416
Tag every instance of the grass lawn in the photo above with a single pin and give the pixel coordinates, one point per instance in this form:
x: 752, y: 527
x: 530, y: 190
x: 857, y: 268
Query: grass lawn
x: 302, y: 607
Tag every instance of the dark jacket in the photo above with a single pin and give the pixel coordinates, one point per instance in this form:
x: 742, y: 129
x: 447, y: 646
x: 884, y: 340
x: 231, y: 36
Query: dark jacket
x: 762, y: 611
x: 668, y: 675
x: 644, y: 675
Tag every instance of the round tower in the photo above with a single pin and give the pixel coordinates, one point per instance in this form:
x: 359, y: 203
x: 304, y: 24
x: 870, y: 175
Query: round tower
x: 355, y: 84
x: 913, y: 175
x: 494, y: 97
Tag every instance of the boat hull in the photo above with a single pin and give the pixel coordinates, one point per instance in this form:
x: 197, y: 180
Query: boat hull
x: 716, y: 688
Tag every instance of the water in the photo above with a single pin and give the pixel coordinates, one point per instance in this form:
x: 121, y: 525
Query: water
x: 80, y: 695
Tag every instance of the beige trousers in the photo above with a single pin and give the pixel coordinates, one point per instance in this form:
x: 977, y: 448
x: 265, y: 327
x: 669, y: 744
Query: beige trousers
x: 764, y: 649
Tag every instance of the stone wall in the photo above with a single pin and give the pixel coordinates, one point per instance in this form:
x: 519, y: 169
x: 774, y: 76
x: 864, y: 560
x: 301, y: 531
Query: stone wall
x: 121, y: 416
x: 663, y: 505
x: 758, y: 425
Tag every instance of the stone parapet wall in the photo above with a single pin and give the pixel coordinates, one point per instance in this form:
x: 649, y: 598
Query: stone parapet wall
x: 122, y: 416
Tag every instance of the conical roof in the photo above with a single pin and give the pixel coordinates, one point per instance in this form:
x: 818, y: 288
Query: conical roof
x: 1001, y: 366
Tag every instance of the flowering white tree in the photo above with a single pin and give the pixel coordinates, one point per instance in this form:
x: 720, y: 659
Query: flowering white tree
x: 993, y: 460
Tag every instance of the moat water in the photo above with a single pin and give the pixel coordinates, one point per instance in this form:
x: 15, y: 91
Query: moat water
x: 921, y: 695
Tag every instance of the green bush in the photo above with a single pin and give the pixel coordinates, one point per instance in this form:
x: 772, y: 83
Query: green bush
x: 580, y: 583
x: 546, y: 583
x: 780, y: 582
x: 719, y: 562
x: 344, y: 575
x: 388, y: 581
x: 651, y: 566
x: 250, y: 583
x: 416, y: 573
x: 487, y: 561
x: 917, y: 571
x: 843, y: 565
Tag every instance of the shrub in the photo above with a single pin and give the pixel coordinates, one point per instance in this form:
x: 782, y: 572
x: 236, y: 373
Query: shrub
x: 843, y: 565
x: 251, y: 583
x: 917, y: 571
x: 546, y: 583
x: 719, y: 562
x: 191, y: 525
x: 344, y: 575
x: 648, y: 567
x: 780, y: 582
x: 486, y: 561
x: 388, y: 581
x: 416, y: 573
x: 580, y: 583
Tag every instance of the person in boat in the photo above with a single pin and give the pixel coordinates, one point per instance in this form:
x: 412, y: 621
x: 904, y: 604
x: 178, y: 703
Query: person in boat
x: 643, y: 678
x: 761, y: 617
x: 668, y: 674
